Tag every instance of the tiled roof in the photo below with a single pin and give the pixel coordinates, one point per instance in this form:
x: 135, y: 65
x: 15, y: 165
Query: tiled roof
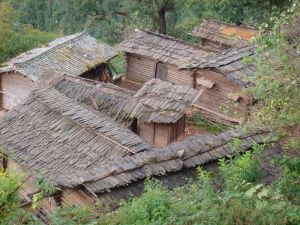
x: 224, y: 33
x: 230, y: 63
x: 163, y: 48
x: 162, y: 102
x: 73, y: 55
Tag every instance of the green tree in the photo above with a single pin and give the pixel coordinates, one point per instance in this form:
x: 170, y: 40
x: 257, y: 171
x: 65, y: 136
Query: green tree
x: 16, y: 38
x: 277, y: 81
x: 241, y: 11
x: 9, y: 197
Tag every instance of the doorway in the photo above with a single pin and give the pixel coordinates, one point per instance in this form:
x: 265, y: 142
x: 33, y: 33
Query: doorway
x: 161, y: 71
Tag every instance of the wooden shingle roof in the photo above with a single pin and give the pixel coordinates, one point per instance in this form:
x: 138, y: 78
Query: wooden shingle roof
x: 111, y: 100
x: 162, y: 102
x: 59, y: 133
x: 224, y: 33
x: 157, y: 101
x: 163, y: 48
x: 194, y: 151
x: 230, y: 63
x: 53, y: 133
x: 73, y: 54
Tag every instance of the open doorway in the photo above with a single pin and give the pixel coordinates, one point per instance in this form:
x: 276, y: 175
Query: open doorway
x: 161, y: 71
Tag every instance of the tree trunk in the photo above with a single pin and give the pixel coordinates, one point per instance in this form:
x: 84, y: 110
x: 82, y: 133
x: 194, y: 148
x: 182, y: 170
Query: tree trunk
x: 240, y: 17
x: 162, y: 21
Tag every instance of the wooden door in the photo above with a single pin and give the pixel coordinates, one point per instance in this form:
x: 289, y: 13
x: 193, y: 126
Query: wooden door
x: 161, y: 71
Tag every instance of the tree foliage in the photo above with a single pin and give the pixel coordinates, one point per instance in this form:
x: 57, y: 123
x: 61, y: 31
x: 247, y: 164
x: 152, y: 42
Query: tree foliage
x: 244, y: 11
x: 242, y: 198
x: 277, y: 82
x: 112, y: 20
x: 240, y: 202
x: 15, y: 37
x: 9, y: 197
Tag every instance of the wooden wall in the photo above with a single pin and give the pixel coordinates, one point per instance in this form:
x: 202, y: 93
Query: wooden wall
x: 139, y: 68
x: 161, y: 134
x: 14, y: 88
x: 78, y: 196
x: 180, y: 77
x: 142, y: 69
x: 217, y: 98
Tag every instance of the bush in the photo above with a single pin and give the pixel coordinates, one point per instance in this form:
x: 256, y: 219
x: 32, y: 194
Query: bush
x: 244, y: 168
x: 200, y: 203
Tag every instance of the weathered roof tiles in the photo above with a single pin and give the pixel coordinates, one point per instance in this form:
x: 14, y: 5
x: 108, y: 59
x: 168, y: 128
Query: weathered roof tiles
x: 163, y: 48
x: 163, y: 102
x: 230, y: 63
x: 60, y: 134
x: 53, y: 133
x: 73, y: 54
x: 224, y: 33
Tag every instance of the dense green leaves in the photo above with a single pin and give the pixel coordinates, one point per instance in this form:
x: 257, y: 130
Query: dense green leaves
x: 240, y: 202
x: 278, y: 79
x: 112, y: 20
x: 15, y: 37
x: 9, y: 197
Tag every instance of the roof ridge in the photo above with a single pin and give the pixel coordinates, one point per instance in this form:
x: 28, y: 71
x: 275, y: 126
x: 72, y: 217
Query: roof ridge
x: 170, y: 152
x: 175, y: 39
x: 52, y: 48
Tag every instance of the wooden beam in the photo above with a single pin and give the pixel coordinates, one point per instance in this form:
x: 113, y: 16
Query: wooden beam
x: 218, y: 114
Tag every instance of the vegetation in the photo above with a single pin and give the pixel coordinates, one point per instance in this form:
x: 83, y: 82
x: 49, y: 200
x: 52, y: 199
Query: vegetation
x: 29, y: 23
x: 236, y: 195
x: 200, y: 203
x: 15, y: 37
x: 201, y: 122
x: 278, y: 81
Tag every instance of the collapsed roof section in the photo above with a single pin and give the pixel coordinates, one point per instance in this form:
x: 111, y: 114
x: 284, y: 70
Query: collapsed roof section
x: 224, y: 33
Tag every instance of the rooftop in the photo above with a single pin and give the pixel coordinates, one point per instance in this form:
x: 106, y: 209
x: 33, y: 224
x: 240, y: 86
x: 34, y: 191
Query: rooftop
x: 230, y: 63
x: 163, y: 102
x: 224, y: 33
x: 73, y: 54
x: 163, y: 48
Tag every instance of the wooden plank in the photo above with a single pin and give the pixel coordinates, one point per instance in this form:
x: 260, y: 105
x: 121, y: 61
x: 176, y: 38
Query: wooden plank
x: 146, y: 131
x: 218, y: 114
x: 162, y: 134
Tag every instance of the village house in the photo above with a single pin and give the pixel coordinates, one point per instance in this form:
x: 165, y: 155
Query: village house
x: 156, y: 112
x: 150, y: 55
x: 220, y: 76
x: 64, y: 132
x: 160, y: 111
x: 220, y: 35
x: 79, y: 55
